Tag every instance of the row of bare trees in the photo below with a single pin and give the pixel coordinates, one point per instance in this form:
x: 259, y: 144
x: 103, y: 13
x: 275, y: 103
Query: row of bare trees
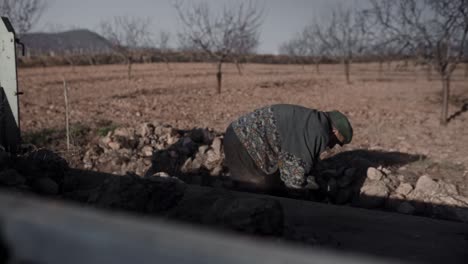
x: 434, y: 31
x: 229, y: 34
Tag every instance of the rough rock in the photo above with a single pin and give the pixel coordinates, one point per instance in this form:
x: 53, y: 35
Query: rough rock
x: 114, y: 145
x: 212, y: 159
x: 251, y: 215
x: 201, y: 136
x: 217, y: 146
x: 347, y: 178
x: 147, y: 151
x: 216, y: 171
x: 328, y: 174
x: 404, y: 189
x: 344, y: 196
x: 144, y: 195
x: 373, y: 194
x: 147, y: 129
x: 426, y: 185
x: 42, y: 163
x: 46, y: 186
x: 394, y: 200
x: 11, y: 177
x: 374, y: 174
x: 124, y: 132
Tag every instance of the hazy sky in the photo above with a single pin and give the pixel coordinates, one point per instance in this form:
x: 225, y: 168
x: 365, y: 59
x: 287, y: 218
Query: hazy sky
x: 282, y: 19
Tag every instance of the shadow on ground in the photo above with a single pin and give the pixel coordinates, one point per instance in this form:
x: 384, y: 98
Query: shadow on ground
x: 338, y: 228
x: 342, y: 229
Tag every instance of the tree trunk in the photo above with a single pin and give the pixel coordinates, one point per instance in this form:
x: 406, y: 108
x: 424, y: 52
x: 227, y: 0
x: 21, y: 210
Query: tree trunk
x: 239, y: 67
x: 347, y: 69
x: 219, y: 76
x: 445, y: 98
x: 317, y: 67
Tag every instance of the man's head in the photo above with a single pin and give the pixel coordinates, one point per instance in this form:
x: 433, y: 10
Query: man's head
x: 341, y: 130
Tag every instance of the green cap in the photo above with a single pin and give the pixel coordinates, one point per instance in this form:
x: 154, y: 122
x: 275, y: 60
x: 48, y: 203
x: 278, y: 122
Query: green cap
x: 341, y: 123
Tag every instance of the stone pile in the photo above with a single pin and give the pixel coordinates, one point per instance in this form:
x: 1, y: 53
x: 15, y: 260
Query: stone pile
x: 157, y: 148
x: 376, y: 188
x: 197, y: 155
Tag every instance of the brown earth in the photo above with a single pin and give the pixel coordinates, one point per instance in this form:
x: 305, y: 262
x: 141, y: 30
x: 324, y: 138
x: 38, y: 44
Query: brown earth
x: 397, y: 111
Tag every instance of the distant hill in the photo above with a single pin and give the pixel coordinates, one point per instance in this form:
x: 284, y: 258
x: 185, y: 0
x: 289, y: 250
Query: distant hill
x: 78, y: 41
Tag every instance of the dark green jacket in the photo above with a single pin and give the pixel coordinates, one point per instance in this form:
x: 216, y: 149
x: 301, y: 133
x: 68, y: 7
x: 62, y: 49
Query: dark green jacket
x: 288, y: 138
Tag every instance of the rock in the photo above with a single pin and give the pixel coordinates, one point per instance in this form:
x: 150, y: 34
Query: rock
x: 201, y: 136
x: 146, y: 130
x: 448, y: 188
x: 347, y: 178
x: 217, y: 146
x: 124, y: 132
x: 461, y: 214
x: 187, y: 166
x: 114, y: 145
x: 45, y: 185
x: 426, y: 185
x: 197, y: 161
x: 391, y: 182
x: 343, y: 196
x: 406, y: 208
x: 202, y: 149
x: 162, y: 174
x: 373, y: 194
x: 152, y: 195
x: 172, y: 140
x: 386, y: 171
x: 404, y: 189
x: 394, y: 200
x: 187, y: 146
x: 11, y: 177
x: 328, y: 174
x: 42, y: 163
x: 104, y: 142
x: 374, y: 174
x: 246, y: 214
x: 212, y: 159
x: 216, y: 171
x: 147, y: 151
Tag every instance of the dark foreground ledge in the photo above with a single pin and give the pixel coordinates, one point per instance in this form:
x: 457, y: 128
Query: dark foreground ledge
x: 46, y: 231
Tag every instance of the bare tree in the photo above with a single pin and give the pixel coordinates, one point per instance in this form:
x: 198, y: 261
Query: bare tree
x: 228, y: 34
x: 307, y: 44
x: 161, y: 43
x: 437, y: 28
x: 127, y: 35
x: 296, y: 48
x: 343, y: 36
x: 23, y: 14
